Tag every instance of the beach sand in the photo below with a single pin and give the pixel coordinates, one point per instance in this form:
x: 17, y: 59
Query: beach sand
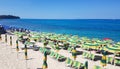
x: 10, y: 59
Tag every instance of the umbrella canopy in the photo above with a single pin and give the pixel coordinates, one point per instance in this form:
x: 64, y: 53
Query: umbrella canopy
x: 19, y: 34
x: 106, y: 39
x: 113, y: 49
x: 29, y: 43
x: 92, y: 45
x: 35, y: 37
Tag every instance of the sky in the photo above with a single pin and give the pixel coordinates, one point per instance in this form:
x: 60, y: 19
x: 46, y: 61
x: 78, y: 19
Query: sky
x: 61, y: 9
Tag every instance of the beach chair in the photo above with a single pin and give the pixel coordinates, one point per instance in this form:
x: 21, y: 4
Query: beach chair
x: 85, y: 54
x: 92, y: 56
x: 56, y: 55
x: 109, y: 60
x: 46, y: 50
x: 69, y: 62
x: 69, y: 49
x: 97, y: 67
x: 53, y: 47
x: 59, y: 57
x: 117, y: 62
x: 89, y: 56
x: 62, y: 57
x: 52, y: 54
x: 77, y: 64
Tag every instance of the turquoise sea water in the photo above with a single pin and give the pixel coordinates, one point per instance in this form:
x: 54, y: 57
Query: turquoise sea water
x: 92, y: 28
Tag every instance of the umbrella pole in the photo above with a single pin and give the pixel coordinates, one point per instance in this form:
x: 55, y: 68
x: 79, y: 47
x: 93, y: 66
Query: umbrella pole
x: 17, y: 48
x: 11, y: 43
x: 44, y: 66
x: 26, y: 55
x: 114, y: 58
x: 6, y: 38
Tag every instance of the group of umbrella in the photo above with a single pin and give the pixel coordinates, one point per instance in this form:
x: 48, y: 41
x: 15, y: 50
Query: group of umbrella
x: 59, y: 41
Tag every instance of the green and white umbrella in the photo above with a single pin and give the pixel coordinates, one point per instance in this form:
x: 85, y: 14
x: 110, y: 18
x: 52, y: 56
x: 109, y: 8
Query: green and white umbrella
x: 35, y: 37
x: 29, y: 43
x: 113, y: 49
x: 92, y: 45
x: 19, y: 34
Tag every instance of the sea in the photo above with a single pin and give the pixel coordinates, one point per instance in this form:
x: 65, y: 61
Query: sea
x: 91, y: 28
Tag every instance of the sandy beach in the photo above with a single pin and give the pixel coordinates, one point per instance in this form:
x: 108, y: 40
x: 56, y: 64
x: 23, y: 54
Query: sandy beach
x: 10, y: 59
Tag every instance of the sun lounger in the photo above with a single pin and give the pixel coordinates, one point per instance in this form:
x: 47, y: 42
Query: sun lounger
x: 52, y: 54
x: 109, y: 60
x: 85, y: 54
x: 91, y: 56
x: 97, y: 67
x: 69, y: 49
x: 69, y: 62
x: 117, y: 62
x: 77, y: 64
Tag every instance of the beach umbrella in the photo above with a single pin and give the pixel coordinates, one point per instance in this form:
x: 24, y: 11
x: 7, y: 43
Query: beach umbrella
x: 35, y: 37
x: 19, y: 34
x: 74, y: 55
x: 86, y: 65
x: 106, y: 39
x: 113, y: 49
x: 10, y: 40
x: 6, y: 38
x: 117, y: 44
x: 26, y: 52
x: 57, y: 48
x: 91, y: 45
x: 45, y: 61
x: 0, y: 37
x: 26, y: 55
x: 103, y: 60
x: 17, y: 47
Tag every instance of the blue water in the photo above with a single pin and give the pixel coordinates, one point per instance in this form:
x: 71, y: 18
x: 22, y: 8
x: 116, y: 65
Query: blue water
x: 92, y: 28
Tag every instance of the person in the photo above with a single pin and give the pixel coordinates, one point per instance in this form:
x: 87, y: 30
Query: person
x: 2, y: 30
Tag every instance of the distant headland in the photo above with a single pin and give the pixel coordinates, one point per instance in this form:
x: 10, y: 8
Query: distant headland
x: 9, y: 17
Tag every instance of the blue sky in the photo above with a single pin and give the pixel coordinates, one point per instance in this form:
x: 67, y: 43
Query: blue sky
x: 62, y: 9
